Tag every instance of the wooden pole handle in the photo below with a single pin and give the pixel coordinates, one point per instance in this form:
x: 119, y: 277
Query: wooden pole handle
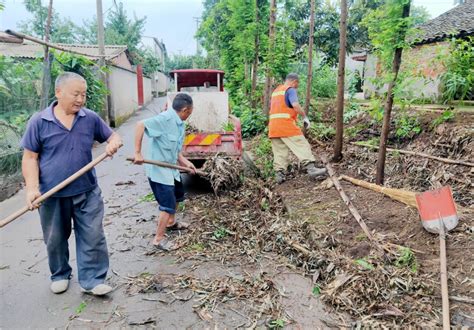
x: 168, y: 165
x: 55, y: 189
x: 444, y: 276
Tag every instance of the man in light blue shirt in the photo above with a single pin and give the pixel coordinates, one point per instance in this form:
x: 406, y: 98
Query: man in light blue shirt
x: 166, y: 135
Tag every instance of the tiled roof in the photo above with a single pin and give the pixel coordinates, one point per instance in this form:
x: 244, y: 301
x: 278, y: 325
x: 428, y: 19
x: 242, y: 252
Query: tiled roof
x: 457, y: 22
x: 33, y: 50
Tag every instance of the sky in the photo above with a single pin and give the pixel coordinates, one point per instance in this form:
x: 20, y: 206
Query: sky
x: 169, y: 20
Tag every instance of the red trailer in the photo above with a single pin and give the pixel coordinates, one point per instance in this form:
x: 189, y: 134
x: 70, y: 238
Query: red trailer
x: 211, y: 128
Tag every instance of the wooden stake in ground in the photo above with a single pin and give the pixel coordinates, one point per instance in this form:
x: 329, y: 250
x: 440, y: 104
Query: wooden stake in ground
x: 310, y: 62
x: 418, y: 154
x: 397, y: 59
x: 340, y: 82
x: 271, y: 36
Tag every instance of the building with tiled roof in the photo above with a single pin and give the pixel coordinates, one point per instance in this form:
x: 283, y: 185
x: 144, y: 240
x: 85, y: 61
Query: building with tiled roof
x: 457, y: 22
x: 423, y: 64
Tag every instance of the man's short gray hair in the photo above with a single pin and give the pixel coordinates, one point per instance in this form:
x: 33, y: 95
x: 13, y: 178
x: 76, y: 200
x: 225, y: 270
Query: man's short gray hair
x: 65, y: 77
x: 292, y: 77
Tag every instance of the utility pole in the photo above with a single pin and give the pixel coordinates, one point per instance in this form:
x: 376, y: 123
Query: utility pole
x: 46, y: 82
x: 310, y: 61
x: 340, y: 82
x: 198, y: 48
x: 101, y: 41
x: 271, y: 36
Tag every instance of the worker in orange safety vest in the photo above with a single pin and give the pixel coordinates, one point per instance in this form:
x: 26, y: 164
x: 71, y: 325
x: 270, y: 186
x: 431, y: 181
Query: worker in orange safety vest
x: 285, y: 135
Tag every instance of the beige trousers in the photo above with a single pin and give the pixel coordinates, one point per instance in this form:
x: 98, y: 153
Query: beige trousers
x: 298, y: 145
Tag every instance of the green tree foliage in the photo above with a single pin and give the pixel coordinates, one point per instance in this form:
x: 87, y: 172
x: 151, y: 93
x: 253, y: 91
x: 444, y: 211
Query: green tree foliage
x: 118, y: 29
x: 228, y: 33
x: 19, y: 92
x: 385, y: 26
x: 177, y: 62
x: 359, y: 9
x: 62, y: 29
x: 121, y: 30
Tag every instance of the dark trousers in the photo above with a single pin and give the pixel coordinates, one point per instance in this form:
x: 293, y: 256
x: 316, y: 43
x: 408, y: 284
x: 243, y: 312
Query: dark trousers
x: 86, y: 211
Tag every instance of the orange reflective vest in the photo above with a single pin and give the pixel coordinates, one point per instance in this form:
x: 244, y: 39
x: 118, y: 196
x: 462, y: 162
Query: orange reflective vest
x: 282, y: 121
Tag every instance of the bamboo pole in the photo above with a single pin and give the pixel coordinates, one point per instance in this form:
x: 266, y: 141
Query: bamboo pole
x: 168, y: 165
x: 419, y: 154
x: 50, y: 45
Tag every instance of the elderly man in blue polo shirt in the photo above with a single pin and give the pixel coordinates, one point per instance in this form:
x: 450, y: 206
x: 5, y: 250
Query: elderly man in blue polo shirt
x: 57, y: 143
x: 166, y: 136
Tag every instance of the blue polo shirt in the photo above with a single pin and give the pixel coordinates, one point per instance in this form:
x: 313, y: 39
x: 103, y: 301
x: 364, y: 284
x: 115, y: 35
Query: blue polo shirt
x: 165, y: 134
x: 63, y: 152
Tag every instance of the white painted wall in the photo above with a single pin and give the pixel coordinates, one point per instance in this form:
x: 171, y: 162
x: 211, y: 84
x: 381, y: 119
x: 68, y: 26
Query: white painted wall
x: 161, y: 82
x: 147, y: 90
x: 123, y: 91
x: 211, y: 110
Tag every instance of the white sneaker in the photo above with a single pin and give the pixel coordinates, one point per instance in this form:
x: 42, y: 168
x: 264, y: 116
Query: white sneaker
x: 98, y: 290
x: 59, y: 286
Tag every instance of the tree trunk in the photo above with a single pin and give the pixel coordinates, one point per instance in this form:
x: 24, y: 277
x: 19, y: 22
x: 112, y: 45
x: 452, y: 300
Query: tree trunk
x: 46, y: 81
x: 271, y: 35
x: 340, y: 82
x: 310, y: 61
x: 253, y: 97
x: 397, y: 59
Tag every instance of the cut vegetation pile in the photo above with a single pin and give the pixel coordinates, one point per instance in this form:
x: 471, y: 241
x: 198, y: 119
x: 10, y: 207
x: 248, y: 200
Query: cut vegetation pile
x: 454, y: 141
x: 224, y: 173
x: 248, y: 223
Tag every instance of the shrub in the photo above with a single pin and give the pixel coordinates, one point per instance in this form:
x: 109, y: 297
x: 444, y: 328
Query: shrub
x: 457, y: 83
x: 407, y: 126
x: 264, y: 156
x: 324, y: 82
x: 253, y: 121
